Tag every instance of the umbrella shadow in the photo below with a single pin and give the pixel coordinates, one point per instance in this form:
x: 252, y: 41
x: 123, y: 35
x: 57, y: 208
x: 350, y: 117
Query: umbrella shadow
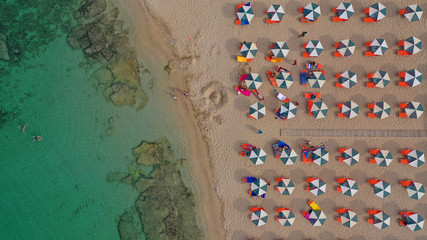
x: 229, y: 10
x: 242, y: 205
x: 240, y: 174
x: 232, y: 46
x: 240, y: 235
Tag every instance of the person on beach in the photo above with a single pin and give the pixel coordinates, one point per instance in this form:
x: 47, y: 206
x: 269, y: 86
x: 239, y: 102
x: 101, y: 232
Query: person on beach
x: 185, y: 93
x: 23, y: 128
x: 259, y: 131
x: 296, y: 103
x: 302, y: 34
x: 295, y: 62
x: 175, y: 98
x: 174, y: 90
x: 37, y: 138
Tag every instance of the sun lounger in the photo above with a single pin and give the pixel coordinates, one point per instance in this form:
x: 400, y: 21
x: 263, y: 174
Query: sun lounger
x: 271, y: 78
x: 249, y: 179
x: 316, y: 66
x: 247, y: 93
x: 405, y: 151
x: 401, y: 43
x: 370, y: 54
x: 342, y: 210
x: 277, y: 112
x: 310, y: 95
x: 253, y: 209
x: 338, y: 54
x: 340, y: 115
x: 269, y: 21
x: 373, y: 181
x: 304, y: 78
x: 403, y: 84
x: 243, y: 59
x: 337, y: 19
x: 371, y: 85
x: 403, y: 53
x: 283, y: 98
x: 406, y: 183
x: 373, y: 211
x: 369, y: 19
x: 314, y: 206
x: 258, y: 95
x: 275, y: 60
x: 305, y: 20
x: 306, y: 55
x: 368, y: 44
x: 401, y: 11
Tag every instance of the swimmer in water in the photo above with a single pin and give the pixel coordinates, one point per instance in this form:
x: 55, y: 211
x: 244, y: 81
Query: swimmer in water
x: 23, y: 128
x: 37, y: 138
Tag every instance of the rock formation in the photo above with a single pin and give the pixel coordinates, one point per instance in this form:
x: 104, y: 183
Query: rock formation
x: 165, y: 205
x: 101, y: 36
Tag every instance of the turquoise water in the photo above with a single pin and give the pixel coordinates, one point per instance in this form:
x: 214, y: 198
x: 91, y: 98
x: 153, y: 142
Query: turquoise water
x: 57, y: 188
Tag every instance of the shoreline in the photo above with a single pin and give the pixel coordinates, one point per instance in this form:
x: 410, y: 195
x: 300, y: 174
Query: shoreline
x: 209, y: 204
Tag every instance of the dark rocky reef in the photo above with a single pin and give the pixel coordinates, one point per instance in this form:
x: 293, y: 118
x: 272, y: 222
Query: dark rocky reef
x: 101, y: 36
x: 166, y: 207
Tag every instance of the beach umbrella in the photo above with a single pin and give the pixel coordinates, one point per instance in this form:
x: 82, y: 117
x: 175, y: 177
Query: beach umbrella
x: 249, y: 50
x: 253, y: 81
x: 350, y: 156
x: 416, y: 190
x: 257, y: 110
x: 285, y: 186
x: 317, y: 187
x: 317, y: 217
x: 314, y: 48
x: 349, y: 187
x: 320, y: 156
x: 382, y: 110
x: 258, y: 156
x: 245, y: 13
x: 412, y: 45
x: 259, y: 217
x: 259, y: 187
x: 349, y: 218
x: 284, y: 79
x: 286, y: 217
x: 381, y: 79
x: 280, y: 49
x: 319, y: 110
x: 346, y: 47
x: 415, y: 158
x: 288, y: 110
x: 414, y: 109
x: 316, y: 79
x: 348, y: 79
x: 288, y: 156
x: 382, y: 189
x: 415, y: 222
x: 345, y: 10
x: 383, y: 158
x: 413, y: 77
x: 377, y: 11
x: 381, y: 220
x: 275, y: 12
x: 312, y: 11
x: 379, y: 46
x: 413, y: 12
x: 350, y: 109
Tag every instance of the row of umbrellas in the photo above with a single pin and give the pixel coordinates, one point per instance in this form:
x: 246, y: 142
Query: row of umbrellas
x: 347, y: 79
x: 347, y: 218
x: 348, y: 187
x: 346, y: 47
x: 312, y: 12
x: 350, y: 156
x: 349, y: 109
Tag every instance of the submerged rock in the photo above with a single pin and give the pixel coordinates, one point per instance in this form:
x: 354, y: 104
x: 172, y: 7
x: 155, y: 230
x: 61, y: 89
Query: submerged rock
x: 102, y: 37
x: 165, y: 205
x: 4, y: 52
x: 127, y: 229
x: 92, y: 8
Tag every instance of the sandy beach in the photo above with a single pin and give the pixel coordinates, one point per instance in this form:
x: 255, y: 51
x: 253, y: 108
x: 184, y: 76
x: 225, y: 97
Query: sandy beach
x: 205, y: 43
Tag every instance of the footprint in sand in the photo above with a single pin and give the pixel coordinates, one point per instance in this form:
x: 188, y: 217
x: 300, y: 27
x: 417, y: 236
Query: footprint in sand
x: 214, y: 98
x: 244, y: 69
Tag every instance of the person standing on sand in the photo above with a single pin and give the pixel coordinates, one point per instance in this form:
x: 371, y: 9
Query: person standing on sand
x: 295, y: 62
x: 23, y: 128
x: 302, y: 34
x: 175, y: 98
x: 185, y: 93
